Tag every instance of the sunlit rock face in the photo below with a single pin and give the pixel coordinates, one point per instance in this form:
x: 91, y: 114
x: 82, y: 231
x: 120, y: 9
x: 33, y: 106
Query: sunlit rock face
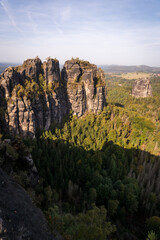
x: 85, y: 86
x: 142, y: 88
x: 36, y: 94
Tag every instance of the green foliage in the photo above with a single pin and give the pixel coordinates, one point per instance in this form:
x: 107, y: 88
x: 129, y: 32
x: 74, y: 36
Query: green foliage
x: 144, y: 112
x: 152, y: 198
x: 112, y: 207
x: 32, y: 89
x: 153, y: 224
x: 151, y: 236
x: 119, y: 90
x: 82, y: 176
x: 20, y: 91
x: 100, y: 83
x: 90, y: 225
x: 93, y: 225
x: 123, y: 127
x: 11, y: 152
x: 21, y: 178
x: 83, y: 63
x: 42, y: 82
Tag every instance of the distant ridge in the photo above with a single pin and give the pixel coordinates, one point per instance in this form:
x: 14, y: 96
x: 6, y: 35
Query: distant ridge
x: 107, y: 68
x: 4, y: 65
x: 125, y: 69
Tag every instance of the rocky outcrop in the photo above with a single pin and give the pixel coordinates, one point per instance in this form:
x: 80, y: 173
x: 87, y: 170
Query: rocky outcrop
x: 35, y: 95
x: 51, y: 70
x: 85, y: 86
x: 31, y: 68
x: 19, y: 217
x: 142, y: 88
x: 9, y: 78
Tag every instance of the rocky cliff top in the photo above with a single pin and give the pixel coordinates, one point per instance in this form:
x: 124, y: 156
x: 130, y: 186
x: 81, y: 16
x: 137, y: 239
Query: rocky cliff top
x: 82, y: 63
x: 79, y: 70
x: 142, y: 88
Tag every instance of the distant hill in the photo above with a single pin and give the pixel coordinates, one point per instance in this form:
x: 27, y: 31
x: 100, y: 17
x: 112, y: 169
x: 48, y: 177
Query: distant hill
x: 126, y: 69
x: 3, y: 66
x: 106, y: 68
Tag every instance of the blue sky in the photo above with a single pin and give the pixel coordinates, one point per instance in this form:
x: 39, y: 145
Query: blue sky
x: 124, y: 32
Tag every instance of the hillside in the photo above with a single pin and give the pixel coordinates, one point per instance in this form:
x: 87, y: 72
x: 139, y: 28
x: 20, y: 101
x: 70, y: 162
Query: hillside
x: 128, y: 69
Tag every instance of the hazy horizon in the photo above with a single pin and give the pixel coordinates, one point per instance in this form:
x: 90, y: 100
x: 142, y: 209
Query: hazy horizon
x: 20, y: 63
x: 123, y: 32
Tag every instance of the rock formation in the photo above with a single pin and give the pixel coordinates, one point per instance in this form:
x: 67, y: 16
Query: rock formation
x: 34, y: 95
x: 85, y: 86
x: 142, y: 88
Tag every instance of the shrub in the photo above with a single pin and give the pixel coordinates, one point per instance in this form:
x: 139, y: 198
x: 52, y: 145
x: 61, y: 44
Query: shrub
x: 153, y: 224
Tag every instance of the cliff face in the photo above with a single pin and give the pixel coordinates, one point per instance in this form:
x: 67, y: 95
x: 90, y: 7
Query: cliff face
x: 51, y: 71
x: 142, y: 88
x: 34, y: 95
x: 85, y: 86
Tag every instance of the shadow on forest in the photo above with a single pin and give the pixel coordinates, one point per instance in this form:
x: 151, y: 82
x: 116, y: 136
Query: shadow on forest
x: 80, y: 178
x: 110, y: 176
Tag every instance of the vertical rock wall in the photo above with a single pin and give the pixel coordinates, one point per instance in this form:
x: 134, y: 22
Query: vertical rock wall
x: 85, y: 86
x: 49, y: 97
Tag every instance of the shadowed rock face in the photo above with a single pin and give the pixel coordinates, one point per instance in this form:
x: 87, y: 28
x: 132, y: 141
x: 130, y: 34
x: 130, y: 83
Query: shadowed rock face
x: 19, y: 217
x: 81, y: 88
x: 142, y: 88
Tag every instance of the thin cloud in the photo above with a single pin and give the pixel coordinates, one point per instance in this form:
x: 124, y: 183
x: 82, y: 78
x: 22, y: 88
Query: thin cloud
x: 5, y: 6
x: 102, y: 31
x: 34, y: 25
x: 65, y: 13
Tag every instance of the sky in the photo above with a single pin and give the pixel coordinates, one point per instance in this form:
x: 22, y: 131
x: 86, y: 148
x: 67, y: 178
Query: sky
x: 123, y: 32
